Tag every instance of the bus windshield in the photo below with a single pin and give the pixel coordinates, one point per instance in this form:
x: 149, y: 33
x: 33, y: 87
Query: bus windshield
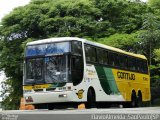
x: 56, y: 69
x: 47, y: 63
x: 34, y: 70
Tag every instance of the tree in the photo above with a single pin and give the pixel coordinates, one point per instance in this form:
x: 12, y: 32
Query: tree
x: 127, y: 42
x: 151, y: 35
x: 155, y: 70
x: 157, y: 55
x: 154, y: 3
x: 125, y: 16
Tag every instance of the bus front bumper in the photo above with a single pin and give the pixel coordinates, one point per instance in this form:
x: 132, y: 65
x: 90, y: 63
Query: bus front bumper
x: 49, y: 97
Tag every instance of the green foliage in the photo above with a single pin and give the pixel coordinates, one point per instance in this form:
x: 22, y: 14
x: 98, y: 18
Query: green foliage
x: 155, y: 69
x: 150, y: 37
x: 12, y: 94
x: 123, y: 41
x: 155, y: 75
x: 157, y: 54
x: 154, y: 3
x: 117, y: 23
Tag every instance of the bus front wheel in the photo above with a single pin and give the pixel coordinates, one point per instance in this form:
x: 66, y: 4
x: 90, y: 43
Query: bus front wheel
x: 91, y: 100
x: 50, y: 107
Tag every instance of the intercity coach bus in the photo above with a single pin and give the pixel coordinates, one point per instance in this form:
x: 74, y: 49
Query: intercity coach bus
x: 68, y: 70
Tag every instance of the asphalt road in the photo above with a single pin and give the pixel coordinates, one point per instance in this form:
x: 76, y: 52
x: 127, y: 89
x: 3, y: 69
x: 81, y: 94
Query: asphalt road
x: 146, y: 113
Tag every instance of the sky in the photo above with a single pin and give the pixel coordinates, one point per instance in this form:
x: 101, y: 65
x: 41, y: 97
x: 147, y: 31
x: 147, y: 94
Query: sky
x: 7, y: 5
x: 144, y: 0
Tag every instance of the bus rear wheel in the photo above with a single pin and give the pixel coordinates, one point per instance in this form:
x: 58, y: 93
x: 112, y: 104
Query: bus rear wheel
x: 133, y: 99
x: 91, y: 100
x: 139, y: 99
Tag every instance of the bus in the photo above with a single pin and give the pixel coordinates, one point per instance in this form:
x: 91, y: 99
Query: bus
x: 66, y: 70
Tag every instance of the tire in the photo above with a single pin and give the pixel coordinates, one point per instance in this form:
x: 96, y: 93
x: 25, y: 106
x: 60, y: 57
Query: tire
x: 139, y: 100
x: 133, y: 100
x: 91, y: 100
x: 50, y: 107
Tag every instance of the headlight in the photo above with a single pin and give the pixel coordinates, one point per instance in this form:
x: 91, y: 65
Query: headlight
x: 28, y: 99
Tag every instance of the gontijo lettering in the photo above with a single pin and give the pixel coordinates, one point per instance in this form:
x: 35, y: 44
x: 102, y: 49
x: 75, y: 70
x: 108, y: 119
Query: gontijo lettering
x: 125, y: 75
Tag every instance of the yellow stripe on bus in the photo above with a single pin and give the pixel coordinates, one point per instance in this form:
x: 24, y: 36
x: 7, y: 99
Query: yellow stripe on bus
x: 36, y: 87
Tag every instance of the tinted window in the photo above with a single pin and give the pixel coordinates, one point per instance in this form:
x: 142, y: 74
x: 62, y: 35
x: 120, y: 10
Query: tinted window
x: 116, y: 59
x: 123, y: 61
x: 105, y: 57
x: 111, y: 59
x: 77, y: 47
x: 132, y: 63
x: 90, y: 53
x: 138, y: 65
x: 100, y: 56
x: 145, y: 66
x: 141, y: 66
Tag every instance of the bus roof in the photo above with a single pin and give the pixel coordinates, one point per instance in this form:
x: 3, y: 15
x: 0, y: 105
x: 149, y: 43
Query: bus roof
x: 61, y: 39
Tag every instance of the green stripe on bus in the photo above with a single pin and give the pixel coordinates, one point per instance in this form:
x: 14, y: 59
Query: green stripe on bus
x: 112, y: 82
x: 107, y: 80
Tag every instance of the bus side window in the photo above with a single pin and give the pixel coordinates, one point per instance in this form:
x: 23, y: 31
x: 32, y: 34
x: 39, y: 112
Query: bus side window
x: 116, y: 60
x: 133, y: 64
x: 138, y: 65
x: 141, y: 65
x: 100, y: 56
x: 87, y: 49
x: 126, y: 61
x: 111, y: 59
x: 122, y: 60
x: 90, y: 53
x: 105, y: 57
x: 145, y: 66
x: 129, y: 63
